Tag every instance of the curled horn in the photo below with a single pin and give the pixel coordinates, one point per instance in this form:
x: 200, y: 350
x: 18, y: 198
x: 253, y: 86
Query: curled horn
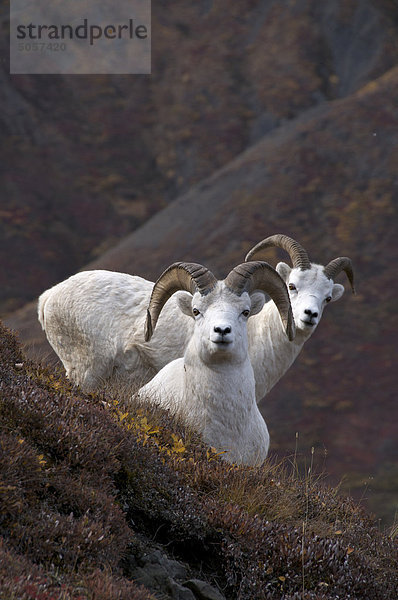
x: 298, y: 255
x: 340, y: 264
x: 190, y: 277
x: 259, y: 275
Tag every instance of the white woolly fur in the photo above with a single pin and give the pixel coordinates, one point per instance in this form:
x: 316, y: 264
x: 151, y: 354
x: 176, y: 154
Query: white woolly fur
x: 212, y: 387
x: 94, y: 321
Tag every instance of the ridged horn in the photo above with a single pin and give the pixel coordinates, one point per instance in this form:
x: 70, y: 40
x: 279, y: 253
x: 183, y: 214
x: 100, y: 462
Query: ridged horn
x: 298, y: 255
x: 191, y: 277
x: 336, y: 266
x: 259, y: 275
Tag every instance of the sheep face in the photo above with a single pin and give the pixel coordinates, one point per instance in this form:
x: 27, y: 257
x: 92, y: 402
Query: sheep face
x: 310, y: 291
x: 220, y: 331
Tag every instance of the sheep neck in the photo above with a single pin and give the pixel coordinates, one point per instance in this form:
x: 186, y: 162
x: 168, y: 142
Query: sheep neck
x: 270, y: 351
x: 219, y: 401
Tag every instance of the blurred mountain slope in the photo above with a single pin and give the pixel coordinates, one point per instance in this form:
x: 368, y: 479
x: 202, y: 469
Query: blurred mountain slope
x: 86, y: 160
x: 328, y: 179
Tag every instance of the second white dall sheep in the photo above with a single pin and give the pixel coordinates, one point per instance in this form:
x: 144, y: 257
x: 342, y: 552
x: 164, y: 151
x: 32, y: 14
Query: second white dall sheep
x: 94, y: 321
x: 311, y: 288
x: 212, y: 387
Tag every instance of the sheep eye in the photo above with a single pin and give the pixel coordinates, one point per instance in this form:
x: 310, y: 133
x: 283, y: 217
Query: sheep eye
x: 292, y: 286
x: 328, y: 299
x: 246, y: 313
x: 195, y: 312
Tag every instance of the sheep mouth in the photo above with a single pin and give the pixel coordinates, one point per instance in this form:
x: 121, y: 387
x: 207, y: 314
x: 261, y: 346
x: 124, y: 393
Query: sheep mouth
x: 309, y: 323
x: 222, y: 342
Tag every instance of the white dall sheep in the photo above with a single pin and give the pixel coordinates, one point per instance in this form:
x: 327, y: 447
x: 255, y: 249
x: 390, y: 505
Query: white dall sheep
x: 94, y: 321
x: 212, y: 387
x: 311, y: 288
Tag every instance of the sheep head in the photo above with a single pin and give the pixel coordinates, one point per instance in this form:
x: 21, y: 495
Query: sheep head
x: 311, y: 286
x: 220, y: 308
x: 191, y: 277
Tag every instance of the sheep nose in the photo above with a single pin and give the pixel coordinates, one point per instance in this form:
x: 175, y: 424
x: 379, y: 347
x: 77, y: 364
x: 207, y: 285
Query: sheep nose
x: 310, y: 313
x: 222, y: 330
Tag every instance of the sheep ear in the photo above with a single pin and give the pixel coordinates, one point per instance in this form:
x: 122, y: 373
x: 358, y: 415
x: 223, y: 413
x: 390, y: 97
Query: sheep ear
x: 184, y: 302
x: 258, y: 301
x: 284, y: 271
x: 337, y: 292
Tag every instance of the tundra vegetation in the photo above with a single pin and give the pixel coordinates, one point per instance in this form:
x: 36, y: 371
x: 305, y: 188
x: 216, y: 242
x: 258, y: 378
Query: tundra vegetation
x: 91, y: 485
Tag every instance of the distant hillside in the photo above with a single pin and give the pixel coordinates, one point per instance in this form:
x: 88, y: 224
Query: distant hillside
x: 329, y: 180
x: 86, y: 160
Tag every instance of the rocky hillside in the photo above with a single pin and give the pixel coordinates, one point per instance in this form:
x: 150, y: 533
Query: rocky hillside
x: 100, y: 497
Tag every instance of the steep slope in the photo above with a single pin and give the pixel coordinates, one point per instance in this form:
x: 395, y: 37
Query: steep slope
x: 99, y: 495
x: 86, y: 160
x: 329, y: 180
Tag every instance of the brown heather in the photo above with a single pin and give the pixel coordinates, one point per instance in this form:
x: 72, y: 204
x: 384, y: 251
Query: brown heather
x: 88, y: 482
